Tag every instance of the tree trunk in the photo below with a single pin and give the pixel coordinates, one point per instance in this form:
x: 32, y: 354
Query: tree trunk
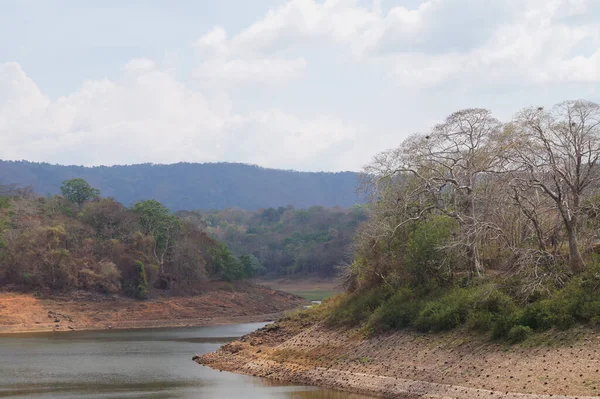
x: 575, y: 259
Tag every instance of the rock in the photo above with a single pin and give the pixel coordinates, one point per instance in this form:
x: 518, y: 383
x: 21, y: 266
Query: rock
x: 57, y: 320
x: 195, y: 357
x: 259, y: 351
x: 57, y: 326
x: 70, y: 328
x: 110, y: 327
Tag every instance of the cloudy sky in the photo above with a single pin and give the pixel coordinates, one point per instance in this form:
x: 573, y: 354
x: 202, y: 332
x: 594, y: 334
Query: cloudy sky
x: 295, y: 84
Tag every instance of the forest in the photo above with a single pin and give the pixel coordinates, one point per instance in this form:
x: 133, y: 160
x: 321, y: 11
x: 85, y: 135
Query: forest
x: 81, y: 241
x: 484, y: 224
x: 288, y: 241
x: 185, y: 186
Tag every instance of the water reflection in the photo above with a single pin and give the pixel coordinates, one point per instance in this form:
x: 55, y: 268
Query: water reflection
x: 149, y: 364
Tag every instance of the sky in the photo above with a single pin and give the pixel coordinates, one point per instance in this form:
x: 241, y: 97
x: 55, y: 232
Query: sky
x: 308, y: 85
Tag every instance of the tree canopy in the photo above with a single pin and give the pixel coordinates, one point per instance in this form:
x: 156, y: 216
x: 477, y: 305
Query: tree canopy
x: 78, y: 191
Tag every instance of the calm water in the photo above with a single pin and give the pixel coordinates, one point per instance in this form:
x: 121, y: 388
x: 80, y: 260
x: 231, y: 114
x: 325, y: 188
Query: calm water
x: 132, y: 364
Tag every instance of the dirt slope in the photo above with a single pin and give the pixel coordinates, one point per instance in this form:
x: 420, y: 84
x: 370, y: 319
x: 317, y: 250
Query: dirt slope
x: 25, y: 312
x: 412, y: 365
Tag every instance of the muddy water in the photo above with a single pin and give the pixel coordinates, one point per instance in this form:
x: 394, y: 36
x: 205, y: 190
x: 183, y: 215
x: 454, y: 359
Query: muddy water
x: 132, y: 364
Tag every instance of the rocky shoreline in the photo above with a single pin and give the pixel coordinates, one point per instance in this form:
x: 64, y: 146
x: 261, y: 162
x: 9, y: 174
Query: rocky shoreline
x: 411, y: 365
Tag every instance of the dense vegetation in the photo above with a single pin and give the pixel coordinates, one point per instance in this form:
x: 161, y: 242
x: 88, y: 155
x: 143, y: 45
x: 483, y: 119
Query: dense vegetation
x: 289, y: 241
x: 192, y: 186
x: 82, y: 241
x: 482, y: 224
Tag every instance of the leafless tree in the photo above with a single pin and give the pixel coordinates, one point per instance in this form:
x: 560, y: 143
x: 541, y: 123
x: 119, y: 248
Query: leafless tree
x: 446, y: 167
x: 557, y: 153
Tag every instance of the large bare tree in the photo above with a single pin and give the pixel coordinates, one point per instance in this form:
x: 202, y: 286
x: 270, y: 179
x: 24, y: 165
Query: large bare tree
x: 446, y: 167
x: 556, y: 153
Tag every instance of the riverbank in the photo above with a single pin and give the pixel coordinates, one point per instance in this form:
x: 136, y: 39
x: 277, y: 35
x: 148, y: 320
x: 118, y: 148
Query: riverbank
x: 218, y: 304
x: 412, y: 365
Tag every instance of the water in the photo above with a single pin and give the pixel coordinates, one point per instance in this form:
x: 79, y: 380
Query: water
x: 149, y: 364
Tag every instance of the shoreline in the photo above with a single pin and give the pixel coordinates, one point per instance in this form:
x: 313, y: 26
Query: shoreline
x: 149, y: 324
x: 409, y: 365
x: 82, y: 311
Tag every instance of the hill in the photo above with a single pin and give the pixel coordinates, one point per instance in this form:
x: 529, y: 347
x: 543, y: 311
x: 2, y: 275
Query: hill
x: 192, y: 185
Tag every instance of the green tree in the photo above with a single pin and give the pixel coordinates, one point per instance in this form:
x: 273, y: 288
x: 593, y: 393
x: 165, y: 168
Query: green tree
x: 251, y: 265
x: 78, y: 191
x: 156, y: 220
x: 141, y: 286
x: 224, y: 265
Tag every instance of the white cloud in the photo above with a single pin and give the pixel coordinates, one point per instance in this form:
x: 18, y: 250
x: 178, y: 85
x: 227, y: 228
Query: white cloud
x: 336, y: 63
x: 441, y: 41
x: 262, y: 70
x: 148, y: 115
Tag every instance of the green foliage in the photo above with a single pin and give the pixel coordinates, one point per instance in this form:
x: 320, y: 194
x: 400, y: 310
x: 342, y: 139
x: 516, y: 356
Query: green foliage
x: 4, y: 202
x: 446, y: 313
x: 397, y: 312
x: 538, y: 315
x: 78, y: 191
x: 251, y: 265
x: 425, y: 260
x: 156, y: 220
x: 355, y: 309
x: 223, y: 265
x: 518, y: 334
x: 287, y: 241
x: 141, y: 286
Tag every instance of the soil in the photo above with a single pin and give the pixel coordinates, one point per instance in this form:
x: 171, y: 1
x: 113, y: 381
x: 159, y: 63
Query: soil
x: 218, y: 304
x: 408, y: 364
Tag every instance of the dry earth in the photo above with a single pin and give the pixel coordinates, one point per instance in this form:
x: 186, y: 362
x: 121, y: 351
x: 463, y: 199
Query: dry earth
x: 412, y: 365
x: 85, y: 311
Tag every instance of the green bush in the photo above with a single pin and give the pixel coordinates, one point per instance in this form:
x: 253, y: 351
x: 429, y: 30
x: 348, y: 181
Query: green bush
x: 399, y: 311
x: 356, y: 309
x: 538, y: 315
x: 480, y: 320
x: 448, y: 312
x: 518, y: 334
x: 504, y: 323
x: 425, y: 261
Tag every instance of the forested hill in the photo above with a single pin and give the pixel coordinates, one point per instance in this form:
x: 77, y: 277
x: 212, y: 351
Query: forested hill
x: 193, y: 185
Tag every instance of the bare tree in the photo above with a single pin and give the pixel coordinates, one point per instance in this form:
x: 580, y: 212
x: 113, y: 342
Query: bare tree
x: 557, y: 152
x: 447, y: 166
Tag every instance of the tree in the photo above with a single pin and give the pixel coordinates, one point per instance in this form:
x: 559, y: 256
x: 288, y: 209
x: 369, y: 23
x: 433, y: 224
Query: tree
x: 141, y: 283
x: 556, y: 153
x: 251, y: 265
x: 78, y: 191
x: 224, y: 265
x: 442, y: 171
x: 156, y: 220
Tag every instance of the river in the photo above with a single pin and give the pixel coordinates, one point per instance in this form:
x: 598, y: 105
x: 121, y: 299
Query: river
x: 149, y: 364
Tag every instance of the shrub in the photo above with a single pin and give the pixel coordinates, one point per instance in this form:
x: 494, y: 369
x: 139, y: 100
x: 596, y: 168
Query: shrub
x: 538, y: 315
x: 399, y: 311
x: 448, y: 312
x: 518, y: 334
x: 425, y: 261
x: 504, y: 323
x: 480, y: 320
x: 355, y: 309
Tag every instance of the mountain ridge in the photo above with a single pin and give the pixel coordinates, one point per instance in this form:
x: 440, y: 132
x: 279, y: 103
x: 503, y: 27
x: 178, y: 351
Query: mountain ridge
x: 186, y: 185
